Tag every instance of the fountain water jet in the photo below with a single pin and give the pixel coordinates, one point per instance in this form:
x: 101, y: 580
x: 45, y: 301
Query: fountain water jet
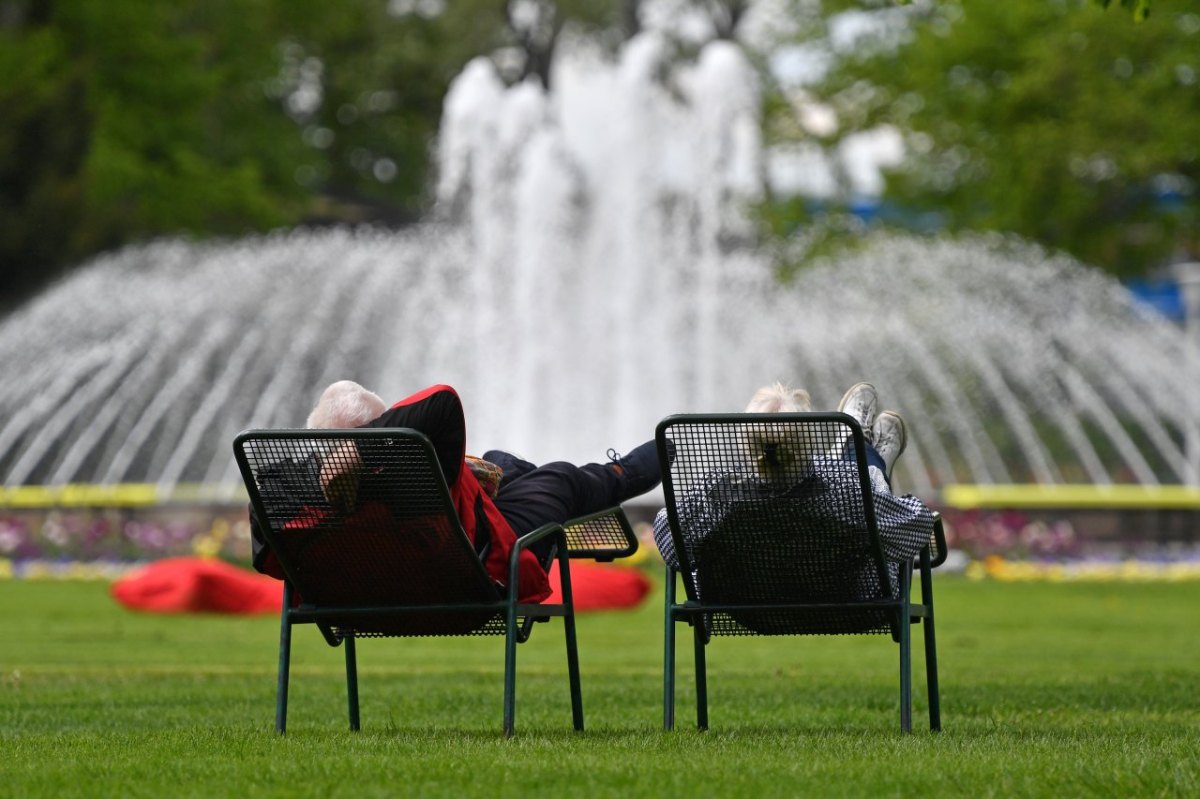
x: 594, y: 270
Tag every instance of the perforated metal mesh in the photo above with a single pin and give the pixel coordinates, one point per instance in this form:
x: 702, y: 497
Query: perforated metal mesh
x: 602, y: 536
x: 772, y: 509
x: 363, y: 519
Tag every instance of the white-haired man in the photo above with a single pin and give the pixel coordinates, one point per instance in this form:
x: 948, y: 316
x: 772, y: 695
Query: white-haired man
x: 526, y: 498
x: 905, y: 523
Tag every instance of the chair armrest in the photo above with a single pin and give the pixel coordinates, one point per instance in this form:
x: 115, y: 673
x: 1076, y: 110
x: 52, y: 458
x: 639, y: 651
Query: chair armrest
x: 602, y: 536
x: 529, y: 539
x: 936, y: 546
x: 938, y: 556
x: 523, y: 543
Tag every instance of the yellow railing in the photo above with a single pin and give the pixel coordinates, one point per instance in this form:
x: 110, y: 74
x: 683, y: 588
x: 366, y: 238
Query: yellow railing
x: 123, y: 495
x: 1099, y: 497
x: 961, y: 496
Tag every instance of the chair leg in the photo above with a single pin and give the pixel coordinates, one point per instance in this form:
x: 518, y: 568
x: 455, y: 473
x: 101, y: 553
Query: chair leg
x: 351, y: 680
x: 669, y: 654
x: 905, y: 652
x: 510, y: 665
x: 285, y: 660
x: 573, y: 672
x: 572, y: 639
x: 931, y: 669
x: 931, y: 678
x: 701, y: 675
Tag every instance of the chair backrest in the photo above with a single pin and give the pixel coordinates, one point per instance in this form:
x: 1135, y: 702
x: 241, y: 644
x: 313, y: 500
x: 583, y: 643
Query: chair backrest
x: 775, y: 509
x: 363, y: 518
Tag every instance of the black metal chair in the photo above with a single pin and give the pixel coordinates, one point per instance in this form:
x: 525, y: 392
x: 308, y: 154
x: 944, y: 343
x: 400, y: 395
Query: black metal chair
x: 379, y: 550
x: 774, y: 526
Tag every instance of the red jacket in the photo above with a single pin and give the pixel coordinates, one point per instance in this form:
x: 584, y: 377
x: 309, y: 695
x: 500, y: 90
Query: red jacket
x: 438, y: 413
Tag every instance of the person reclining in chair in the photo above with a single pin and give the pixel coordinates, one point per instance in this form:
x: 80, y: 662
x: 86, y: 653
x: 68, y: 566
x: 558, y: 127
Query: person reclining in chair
x: 523, y: 499
x: 905, y: 524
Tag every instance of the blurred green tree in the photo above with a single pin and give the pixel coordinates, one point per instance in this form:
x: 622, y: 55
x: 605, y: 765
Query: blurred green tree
x: 129, y: 119
x: 1139, y: 8
x: 1053, y: 120
x: 125, y: 119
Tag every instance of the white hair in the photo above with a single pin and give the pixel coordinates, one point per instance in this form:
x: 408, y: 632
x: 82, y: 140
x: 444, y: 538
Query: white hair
x: 345, y: 404
x: 779, y: 398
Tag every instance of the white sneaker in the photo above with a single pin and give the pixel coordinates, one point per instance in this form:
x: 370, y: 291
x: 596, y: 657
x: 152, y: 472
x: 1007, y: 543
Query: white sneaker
x: 890, y: 439
x: 861, y: 402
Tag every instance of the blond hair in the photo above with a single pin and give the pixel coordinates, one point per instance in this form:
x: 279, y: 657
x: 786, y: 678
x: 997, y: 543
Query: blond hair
x: 779, y: 398
x: 773, y: 455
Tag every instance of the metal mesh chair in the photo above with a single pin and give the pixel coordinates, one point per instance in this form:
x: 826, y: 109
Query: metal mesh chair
x: 774, y: 527
x: 363, y: 526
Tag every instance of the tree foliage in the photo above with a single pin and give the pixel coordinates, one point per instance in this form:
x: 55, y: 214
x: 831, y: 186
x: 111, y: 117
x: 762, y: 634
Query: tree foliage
x: 120, y: 121
x: 1139, y: 8
x: 128, y: 119
x: 1054, y: 120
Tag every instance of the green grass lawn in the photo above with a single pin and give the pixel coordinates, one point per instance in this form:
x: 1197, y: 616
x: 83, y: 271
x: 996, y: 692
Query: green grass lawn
x: 1047, y: 690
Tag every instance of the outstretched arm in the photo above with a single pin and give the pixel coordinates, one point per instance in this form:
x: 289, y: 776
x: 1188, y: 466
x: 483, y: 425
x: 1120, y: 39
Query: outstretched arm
x: 438, y: 413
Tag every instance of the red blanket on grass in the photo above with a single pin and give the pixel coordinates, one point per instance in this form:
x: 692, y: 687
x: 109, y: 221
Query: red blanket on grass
x: 197, y: 585
x: 203, y: 585
x: 600, y: 586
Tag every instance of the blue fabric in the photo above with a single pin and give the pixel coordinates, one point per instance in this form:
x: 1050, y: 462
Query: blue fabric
x: 873, y: 459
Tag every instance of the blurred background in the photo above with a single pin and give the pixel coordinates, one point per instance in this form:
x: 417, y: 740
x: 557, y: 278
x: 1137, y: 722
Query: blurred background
x: 589, y: 214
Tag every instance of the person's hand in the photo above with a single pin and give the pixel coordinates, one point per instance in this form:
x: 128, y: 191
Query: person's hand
x: 339, y: 476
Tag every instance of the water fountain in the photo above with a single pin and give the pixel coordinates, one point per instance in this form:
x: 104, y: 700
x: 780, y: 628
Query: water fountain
x: 592, y: 268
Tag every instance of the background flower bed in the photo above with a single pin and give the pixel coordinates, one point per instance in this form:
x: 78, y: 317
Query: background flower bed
x: 1007, y: 545
x: 1011, y: 534
x: 1070, y: 535
x: 103, y: 541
